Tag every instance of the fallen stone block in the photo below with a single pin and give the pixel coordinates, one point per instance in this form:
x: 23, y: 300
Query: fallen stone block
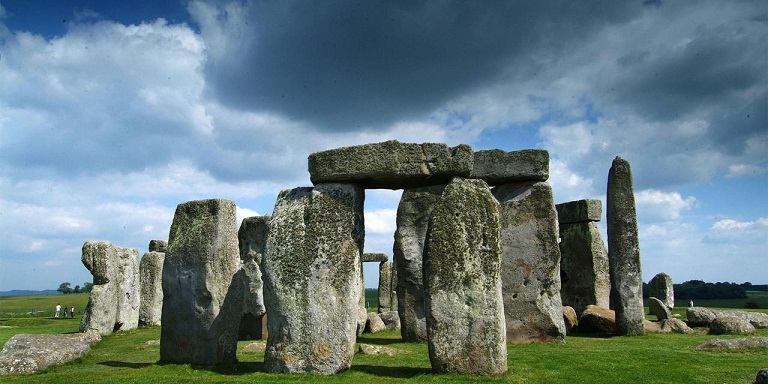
x: 758, y: 342
x: 27, y: 353
x: 727, y: 325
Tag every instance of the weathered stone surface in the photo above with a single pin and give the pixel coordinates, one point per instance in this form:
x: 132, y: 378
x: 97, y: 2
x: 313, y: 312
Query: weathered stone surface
x: 368, y: 349
x: 584, y: 272
x: 570, y: 319
x: 675, y: 326
x: 530, y: 270
x: 391, y: 319
x: 496, y: 167
x: 413, y: 214
x: 661, y: 287
x: 385, y: 286
x: 700, y: 316
x: 374, y: 257
x: 393, y: 293
x: 742, y: 343
x: 727, y: 325
x: 579, y: 211
x: 391, y: 164
x: 151, y: 289
x: 254, y: 347
x: 658, y: 309
x: 312, y: 286
x: 114, y: 301
x: 597, y: 319
x: 374, y: 323
x: 202, y: 285
x: 462, y: 271
x: 252, y: 238
x: 624, y: 250
x: 157, y: 245
x: 25, y: 353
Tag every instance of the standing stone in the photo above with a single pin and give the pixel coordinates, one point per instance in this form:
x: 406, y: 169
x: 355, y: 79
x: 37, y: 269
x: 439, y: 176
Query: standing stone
x: 114, y: 301
x: 393, y: 291
x: 202, y: 285
x: 584, y: 272
x: 151, y: 277
x: 462, y: 271
x: 530, y: 270
x: 413, y: 213
x: 661, y: 287
x: 624, y: 250
x: 391, y: 164
x: 157, y: 245
x: 311, y: 271
x: 252, y: 238
x: 385, y: 288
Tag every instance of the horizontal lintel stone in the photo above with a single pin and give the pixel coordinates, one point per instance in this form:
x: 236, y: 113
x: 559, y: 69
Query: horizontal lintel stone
x: 391, y: 164
x: 496, y: 166
x: 579, y: 211
x: 374, y: 257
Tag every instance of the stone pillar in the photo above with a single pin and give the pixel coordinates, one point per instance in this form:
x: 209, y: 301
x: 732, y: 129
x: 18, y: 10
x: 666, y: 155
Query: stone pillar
x: 661, y: 287
x: 202, y: 285
x: 413, y: 214
x: 624, y: 250
x: 584, y: 272
x: 151, y: 277
x: 311, y: 271
x: 462, y: 271
x: 252, y: 238
x: 114, y: 301
x: 530, y: 271
x: 385, y: 287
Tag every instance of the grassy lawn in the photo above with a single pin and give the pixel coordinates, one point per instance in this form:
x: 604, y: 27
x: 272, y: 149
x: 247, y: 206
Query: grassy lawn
x: 654, y: 358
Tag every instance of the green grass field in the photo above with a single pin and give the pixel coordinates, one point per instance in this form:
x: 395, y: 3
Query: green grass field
x: 653, y: 358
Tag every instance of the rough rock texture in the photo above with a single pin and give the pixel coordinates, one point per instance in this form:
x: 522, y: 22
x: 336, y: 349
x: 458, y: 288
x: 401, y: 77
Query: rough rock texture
x: 391, y: 164
x: 661, y: 287
x: 584, y: 273
x: 254, y: 347
x: 579, y: 211
x: 742, y: 343
x: 385, y: 286
x: 374, y: 323
x: 151, y: 289
x: 700, y: 316
x: 374, y: 258
x: 312, y: 285
x: 675, y: 326
x: 391, y: 319
x: 496, y: 167
x: 413, y: 214
x: 251, y: 239
x: 368, y: 349
x: 597, y: 319
x: 624, y: 250
x: 393, y: 293
x: 157, y: 245
x: 462, y: 271
x: 530, y: 270
x: 727, y: 325
x: 570, y: 319
x: 25, y: 353
x: 114, y: 301
x: 202, y: 285
x: 659, y: 309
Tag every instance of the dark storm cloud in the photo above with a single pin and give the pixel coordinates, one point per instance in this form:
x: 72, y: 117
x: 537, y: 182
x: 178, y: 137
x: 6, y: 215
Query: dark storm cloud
x: 340, y: 65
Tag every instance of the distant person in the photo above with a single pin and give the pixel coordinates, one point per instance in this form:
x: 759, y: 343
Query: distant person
x: 72, y: 312
x: 58, y: 309
x: 65, y: 312
x: 690, y: 303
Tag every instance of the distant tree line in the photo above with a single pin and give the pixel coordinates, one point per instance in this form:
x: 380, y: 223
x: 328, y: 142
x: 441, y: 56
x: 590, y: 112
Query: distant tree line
x: 697, y: 289
x: 66, y: 288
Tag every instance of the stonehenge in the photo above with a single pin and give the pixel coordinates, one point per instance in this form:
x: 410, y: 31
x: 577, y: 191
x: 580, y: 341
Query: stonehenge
x: 624, y: 250
x: 482, y: 257
x: 114, y: 301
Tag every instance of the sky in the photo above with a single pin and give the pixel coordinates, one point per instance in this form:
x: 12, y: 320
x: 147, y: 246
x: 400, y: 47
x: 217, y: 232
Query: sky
x: 112, y: 114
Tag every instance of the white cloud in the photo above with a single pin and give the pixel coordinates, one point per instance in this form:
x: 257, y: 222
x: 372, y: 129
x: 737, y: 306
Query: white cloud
x: 242, y: 213
x: 740, y: 231
x: 380, y: 221
x: 660, y: 205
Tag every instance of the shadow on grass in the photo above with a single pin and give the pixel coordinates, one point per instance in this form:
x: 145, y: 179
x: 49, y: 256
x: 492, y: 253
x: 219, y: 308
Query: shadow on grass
x: 124, y: 364
x: 592, y: 335
x: 393, y: 372
x: 377, y: 341
x: 234, y: 369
